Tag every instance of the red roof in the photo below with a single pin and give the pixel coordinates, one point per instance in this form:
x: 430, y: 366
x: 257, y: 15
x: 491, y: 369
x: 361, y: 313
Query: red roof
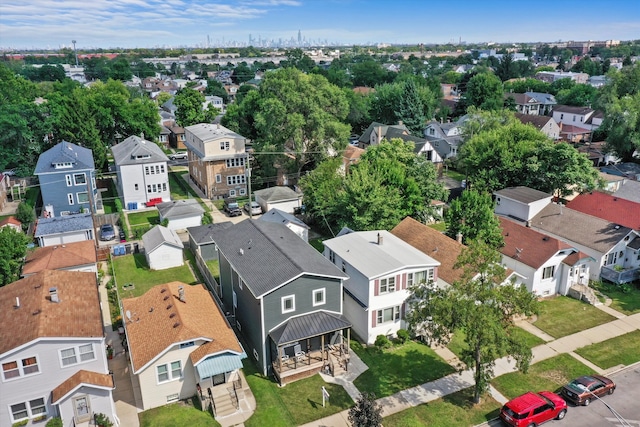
x: 610, y: 208
x: 528, y: 246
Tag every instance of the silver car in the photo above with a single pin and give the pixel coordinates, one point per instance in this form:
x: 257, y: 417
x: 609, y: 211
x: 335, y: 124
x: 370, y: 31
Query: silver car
x: 256, y: 209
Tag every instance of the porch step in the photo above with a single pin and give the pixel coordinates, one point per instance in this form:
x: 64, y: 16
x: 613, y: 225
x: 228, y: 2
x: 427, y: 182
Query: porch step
x: 224, y: 405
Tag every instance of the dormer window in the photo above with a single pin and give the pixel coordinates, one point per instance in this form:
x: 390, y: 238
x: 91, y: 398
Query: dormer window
x: 63, y: 165
x: 142, y: 156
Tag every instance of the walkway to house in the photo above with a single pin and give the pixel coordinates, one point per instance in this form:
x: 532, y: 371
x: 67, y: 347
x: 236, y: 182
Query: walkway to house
x: 458, y: 381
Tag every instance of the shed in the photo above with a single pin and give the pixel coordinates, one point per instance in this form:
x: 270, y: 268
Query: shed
x: 162, y: 248
x: 283, y: 198
x: 181, y: 213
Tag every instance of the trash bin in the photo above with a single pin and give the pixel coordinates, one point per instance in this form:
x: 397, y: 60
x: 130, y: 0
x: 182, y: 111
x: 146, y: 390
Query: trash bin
x: 135, y: 248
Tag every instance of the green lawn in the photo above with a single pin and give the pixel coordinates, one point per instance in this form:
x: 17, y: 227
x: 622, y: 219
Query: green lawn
x: 457, y: 344
x: 398, y: 368
x: 295, y: 404
x: 622, y: 350
x: 439, y: 226
x: 455, y: 175
x: 317, y: 244
x: 214, y: 267
x: 134, y: 269
x: 624, y: 302
x: 177, y: 414
x: 562, y: 316
x: 550, y: 374
x: 109, y: 198
x: 179, y: 188
x: 455, y: 409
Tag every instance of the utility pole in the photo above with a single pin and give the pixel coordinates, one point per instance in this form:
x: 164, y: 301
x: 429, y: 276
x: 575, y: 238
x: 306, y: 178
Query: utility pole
x: 248, y: 175
x: 75, y: 51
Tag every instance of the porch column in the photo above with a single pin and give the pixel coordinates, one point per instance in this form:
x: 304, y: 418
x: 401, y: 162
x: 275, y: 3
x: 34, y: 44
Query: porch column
x: 280, y: 359
x: 348, y: 339
x: 322, y: 346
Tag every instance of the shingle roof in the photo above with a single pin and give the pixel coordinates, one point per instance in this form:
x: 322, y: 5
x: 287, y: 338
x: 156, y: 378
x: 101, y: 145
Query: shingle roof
x: 433, y: 243
x: 183, y: 208
x: 135, y: 150
x: 362, y: 251
x: 572, y: 109
x: 210, y: 132
x: 77, y: 314
x: 309, y: 325
x: 252, y: 246
x: 60, y: 257
x: 282, y: 217
x: 522, y: 194
x: 608, y: 207
x: 583, y: 229
x: 159, y: 320
x: 79, y: 379
x: 528, y: 246
x: 366, y: 136
x: 65, y: 152
x: 63, y: 224
x: 204, y: 233
x: 277, y: 194
x: 630, y: 190
x: 544, y: 98
x: 158, y: 236
x: 538, y: 121
x: 10, y: 221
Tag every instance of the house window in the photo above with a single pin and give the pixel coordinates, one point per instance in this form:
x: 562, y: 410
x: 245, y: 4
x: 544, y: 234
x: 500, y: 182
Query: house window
x: 80, y: 179
x: 148, y: 188
x: 10, y: 370
x: 234, y: 163
x: 176, y: 369
x: 387, y: 285
x: 432, y: 131
x: 31, y: 409
x: 241, y: 284
x: 409, y: 279
x: 224, y: 145
x: 82, y: 197
x: 173, y: 397
x: 153, y: 171
x: 70, y: 198
x: 236, y: 179
x: 68, y: 356
x: 218, y: 178
x: 561, y: 116
x: 146, y: 170
x: 163, y: 374
x: 86, y: 352
x: 235, y: 300
x: 232, y: 193
x: 429, y: 155
x: 164, y: 186
x: 169, y: 372
x: 318, y: 297
x: 23, y: 367
x: 161, y: 168
x: 548, y: 272
x: 344, y: 267
x: 288, y: 304
x: 187, y: 344
x: 135, y: 187
x: 69, y: 182
x: 611, y: 258
x: 332, y: 256
x: 388, y: 314
x: 242, y: 192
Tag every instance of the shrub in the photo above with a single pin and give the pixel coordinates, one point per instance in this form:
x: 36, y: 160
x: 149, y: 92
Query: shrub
x: 403, y: 335
x: 54, y: 422
x: 102, y: 420
x: 626, y: 288
x: 382, y: 342
x: 20, y: 423
x: 207, y: 219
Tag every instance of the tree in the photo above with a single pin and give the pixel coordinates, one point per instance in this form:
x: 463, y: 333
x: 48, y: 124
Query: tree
x: 411, y: 110
x: 622, y: 126
x: 471, y: 215
x: 369, y: 73
x: 578, y: 95
x: 189, y: 108
x: 506, y: 67
x: 366, y: 412
x: 484, y: 91
x: 25, y: 214
x: 13, y: 248
x: 479, y: 298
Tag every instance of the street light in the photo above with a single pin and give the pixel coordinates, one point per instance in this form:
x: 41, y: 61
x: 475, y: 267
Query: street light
x: 619, y: 417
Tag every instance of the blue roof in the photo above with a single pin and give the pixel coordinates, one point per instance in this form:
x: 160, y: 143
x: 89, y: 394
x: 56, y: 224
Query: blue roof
x: 65, y: 152
x: 220, y: 364
x: 63, y: 224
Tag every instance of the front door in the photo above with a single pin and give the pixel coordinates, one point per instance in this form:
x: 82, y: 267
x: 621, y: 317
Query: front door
x: 82, y: 409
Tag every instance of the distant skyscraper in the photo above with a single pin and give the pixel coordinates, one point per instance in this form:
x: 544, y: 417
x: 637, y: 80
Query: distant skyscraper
x: 250, y: 40
x: 299, y: 38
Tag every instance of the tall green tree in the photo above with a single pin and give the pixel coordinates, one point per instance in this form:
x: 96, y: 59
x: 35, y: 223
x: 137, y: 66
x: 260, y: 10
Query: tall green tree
x: 484, y: 91
x: 622, y: 125
x: 13, y: 248
x: 190, y: 111
x: 506, y: 67
x: 472, y: 217
x: 366, y: 412
x: 411, y: 110
x: 479, y: 298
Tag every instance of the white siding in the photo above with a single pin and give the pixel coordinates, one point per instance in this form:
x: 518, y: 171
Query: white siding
x: 164, y: 256
x: 184, y: 223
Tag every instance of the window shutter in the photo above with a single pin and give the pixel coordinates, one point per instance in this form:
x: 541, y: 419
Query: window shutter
x: 373, y: 318
x: 403, y: 309
x: 376, y: 286
x: 404, y: 280
x: 435, y: 274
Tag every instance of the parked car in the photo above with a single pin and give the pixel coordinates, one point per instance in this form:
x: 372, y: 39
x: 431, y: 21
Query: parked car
x: 107, y: 232
x: 232, y: 208
x: 533, y: 409
x: 122, y: 235
x: 179, y: 155
x: 256, y: 209
x: 581, y: 390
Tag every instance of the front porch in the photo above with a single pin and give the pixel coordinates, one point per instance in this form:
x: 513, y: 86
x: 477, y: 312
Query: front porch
x: 332, y: 360
x: 625, y: 275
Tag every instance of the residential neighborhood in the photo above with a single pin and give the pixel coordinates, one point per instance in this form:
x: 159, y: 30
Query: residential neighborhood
x: 299, y: 237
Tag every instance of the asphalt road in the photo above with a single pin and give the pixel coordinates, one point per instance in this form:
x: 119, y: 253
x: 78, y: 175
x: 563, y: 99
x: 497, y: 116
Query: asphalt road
x: 625, y: 401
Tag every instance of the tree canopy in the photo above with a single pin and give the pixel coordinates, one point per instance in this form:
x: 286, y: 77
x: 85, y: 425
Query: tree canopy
x: 485, y: 91
x: 190, y: 111
x: 366, y: 412
x: 13, y: 248
x: 472, y: 216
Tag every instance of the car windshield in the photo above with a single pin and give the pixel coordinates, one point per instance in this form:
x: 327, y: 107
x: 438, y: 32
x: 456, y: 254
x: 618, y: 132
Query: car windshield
x: 107, y: 228
x: 233, y: 205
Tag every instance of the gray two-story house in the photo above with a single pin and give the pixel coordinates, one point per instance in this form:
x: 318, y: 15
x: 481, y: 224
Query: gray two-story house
x: 285, y: 298
x: 67, y: 180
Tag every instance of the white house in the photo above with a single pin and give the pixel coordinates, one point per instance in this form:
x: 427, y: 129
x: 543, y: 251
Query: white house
x: 162, y: 248
x: 283, y: 198
x: 64, y: 229
x: 380, y: 267
x: 181, y: 345
x: 52, y: 350
x: 142, y: 172
x: 181, y: 213
x: 520, y: 202
x: 290, y: 221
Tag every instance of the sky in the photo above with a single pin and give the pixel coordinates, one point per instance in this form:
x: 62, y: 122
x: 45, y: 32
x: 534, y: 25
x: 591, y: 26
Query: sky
x: 53, y: 24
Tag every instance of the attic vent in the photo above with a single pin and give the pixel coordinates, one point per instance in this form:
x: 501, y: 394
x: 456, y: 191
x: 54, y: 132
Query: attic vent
x: 36, y: 312
x: 172, y: 315
x: 545, y: 238
x: 166, y: 297
x: 175, y: 325
x: 169, y: 306
x: 150, y: 309
x: 163, y: 290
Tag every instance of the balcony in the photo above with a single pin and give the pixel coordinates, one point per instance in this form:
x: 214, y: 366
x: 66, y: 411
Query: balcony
x: 619, y: 277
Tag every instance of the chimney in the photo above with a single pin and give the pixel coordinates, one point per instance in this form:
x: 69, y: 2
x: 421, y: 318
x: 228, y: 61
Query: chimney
x: 400, y: 123
x: 459, y: 237
x: 181, y: 293
x: 379, y: 239
x: 379, y: 133
x: 53, y: 294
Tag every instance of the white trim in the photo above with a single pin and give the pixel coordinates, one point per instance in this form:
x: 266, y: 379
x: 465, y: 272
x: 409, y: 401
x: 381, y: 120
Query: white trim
x: 293, y: 303
x: 315, y: 292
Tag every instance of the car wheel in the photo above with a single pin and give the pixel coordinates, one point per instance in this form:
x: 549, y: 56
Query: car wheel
x: 561, y: 414
x: 532, y: 425
x: 611, y: 390
x: 586, y: 402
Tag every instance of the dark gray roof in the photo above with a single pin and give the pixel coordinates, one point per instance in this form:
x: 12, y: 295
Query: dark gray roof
x: 203, y: 234
x: 267, y: 254
x: 135, y: 150
x: 544, y: 98
x: 183, y: 208
x: 308, y: 325
x: 522, y: 194
x: 63, y: 224
x: 158, y: 236
x: 580, y: 228
x: 276, y: 215
x: 277, y: 194
x: 366, y: 136
x: 65, y: 152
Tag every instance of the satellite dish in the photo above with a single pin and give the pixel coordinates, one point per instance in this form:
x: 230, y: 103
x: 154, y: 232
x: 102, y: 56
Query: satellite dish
x: 128, y: 314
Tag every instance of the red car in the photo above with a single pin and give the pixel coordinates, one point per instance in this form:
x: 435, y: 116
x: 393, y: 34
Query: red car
x: 532, y: 409
x: 581, y: 390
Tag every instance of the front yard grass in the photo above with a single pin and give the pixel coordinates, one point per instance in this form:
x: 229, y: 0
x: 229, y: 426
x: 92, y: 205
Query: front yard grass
x: 457, y: 343
x: 398, y: 368
x: 455, y: 409
x: 562, y: 316
x: 549, y: 374
x: 295, y: 404
x: 622, y: 350
x: 134, y: 269
x: 177, y: 414
x: 627, y: 302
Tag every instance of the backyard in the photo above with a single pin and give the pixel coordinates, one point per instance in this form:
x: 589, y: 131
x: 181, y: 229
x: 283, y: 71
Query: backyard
x: 562, y: 316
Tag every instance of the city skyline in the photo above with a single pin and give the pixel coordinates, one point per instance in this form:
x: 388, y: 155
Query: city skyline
x: 52, y: 24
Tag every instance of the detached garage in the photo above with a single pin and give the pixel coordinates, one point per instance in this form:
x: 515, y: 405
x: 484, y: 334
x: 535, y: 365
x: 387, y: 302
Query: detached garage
x: 181, y: 214
x: 283, y: 198
x: 162, y: 248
